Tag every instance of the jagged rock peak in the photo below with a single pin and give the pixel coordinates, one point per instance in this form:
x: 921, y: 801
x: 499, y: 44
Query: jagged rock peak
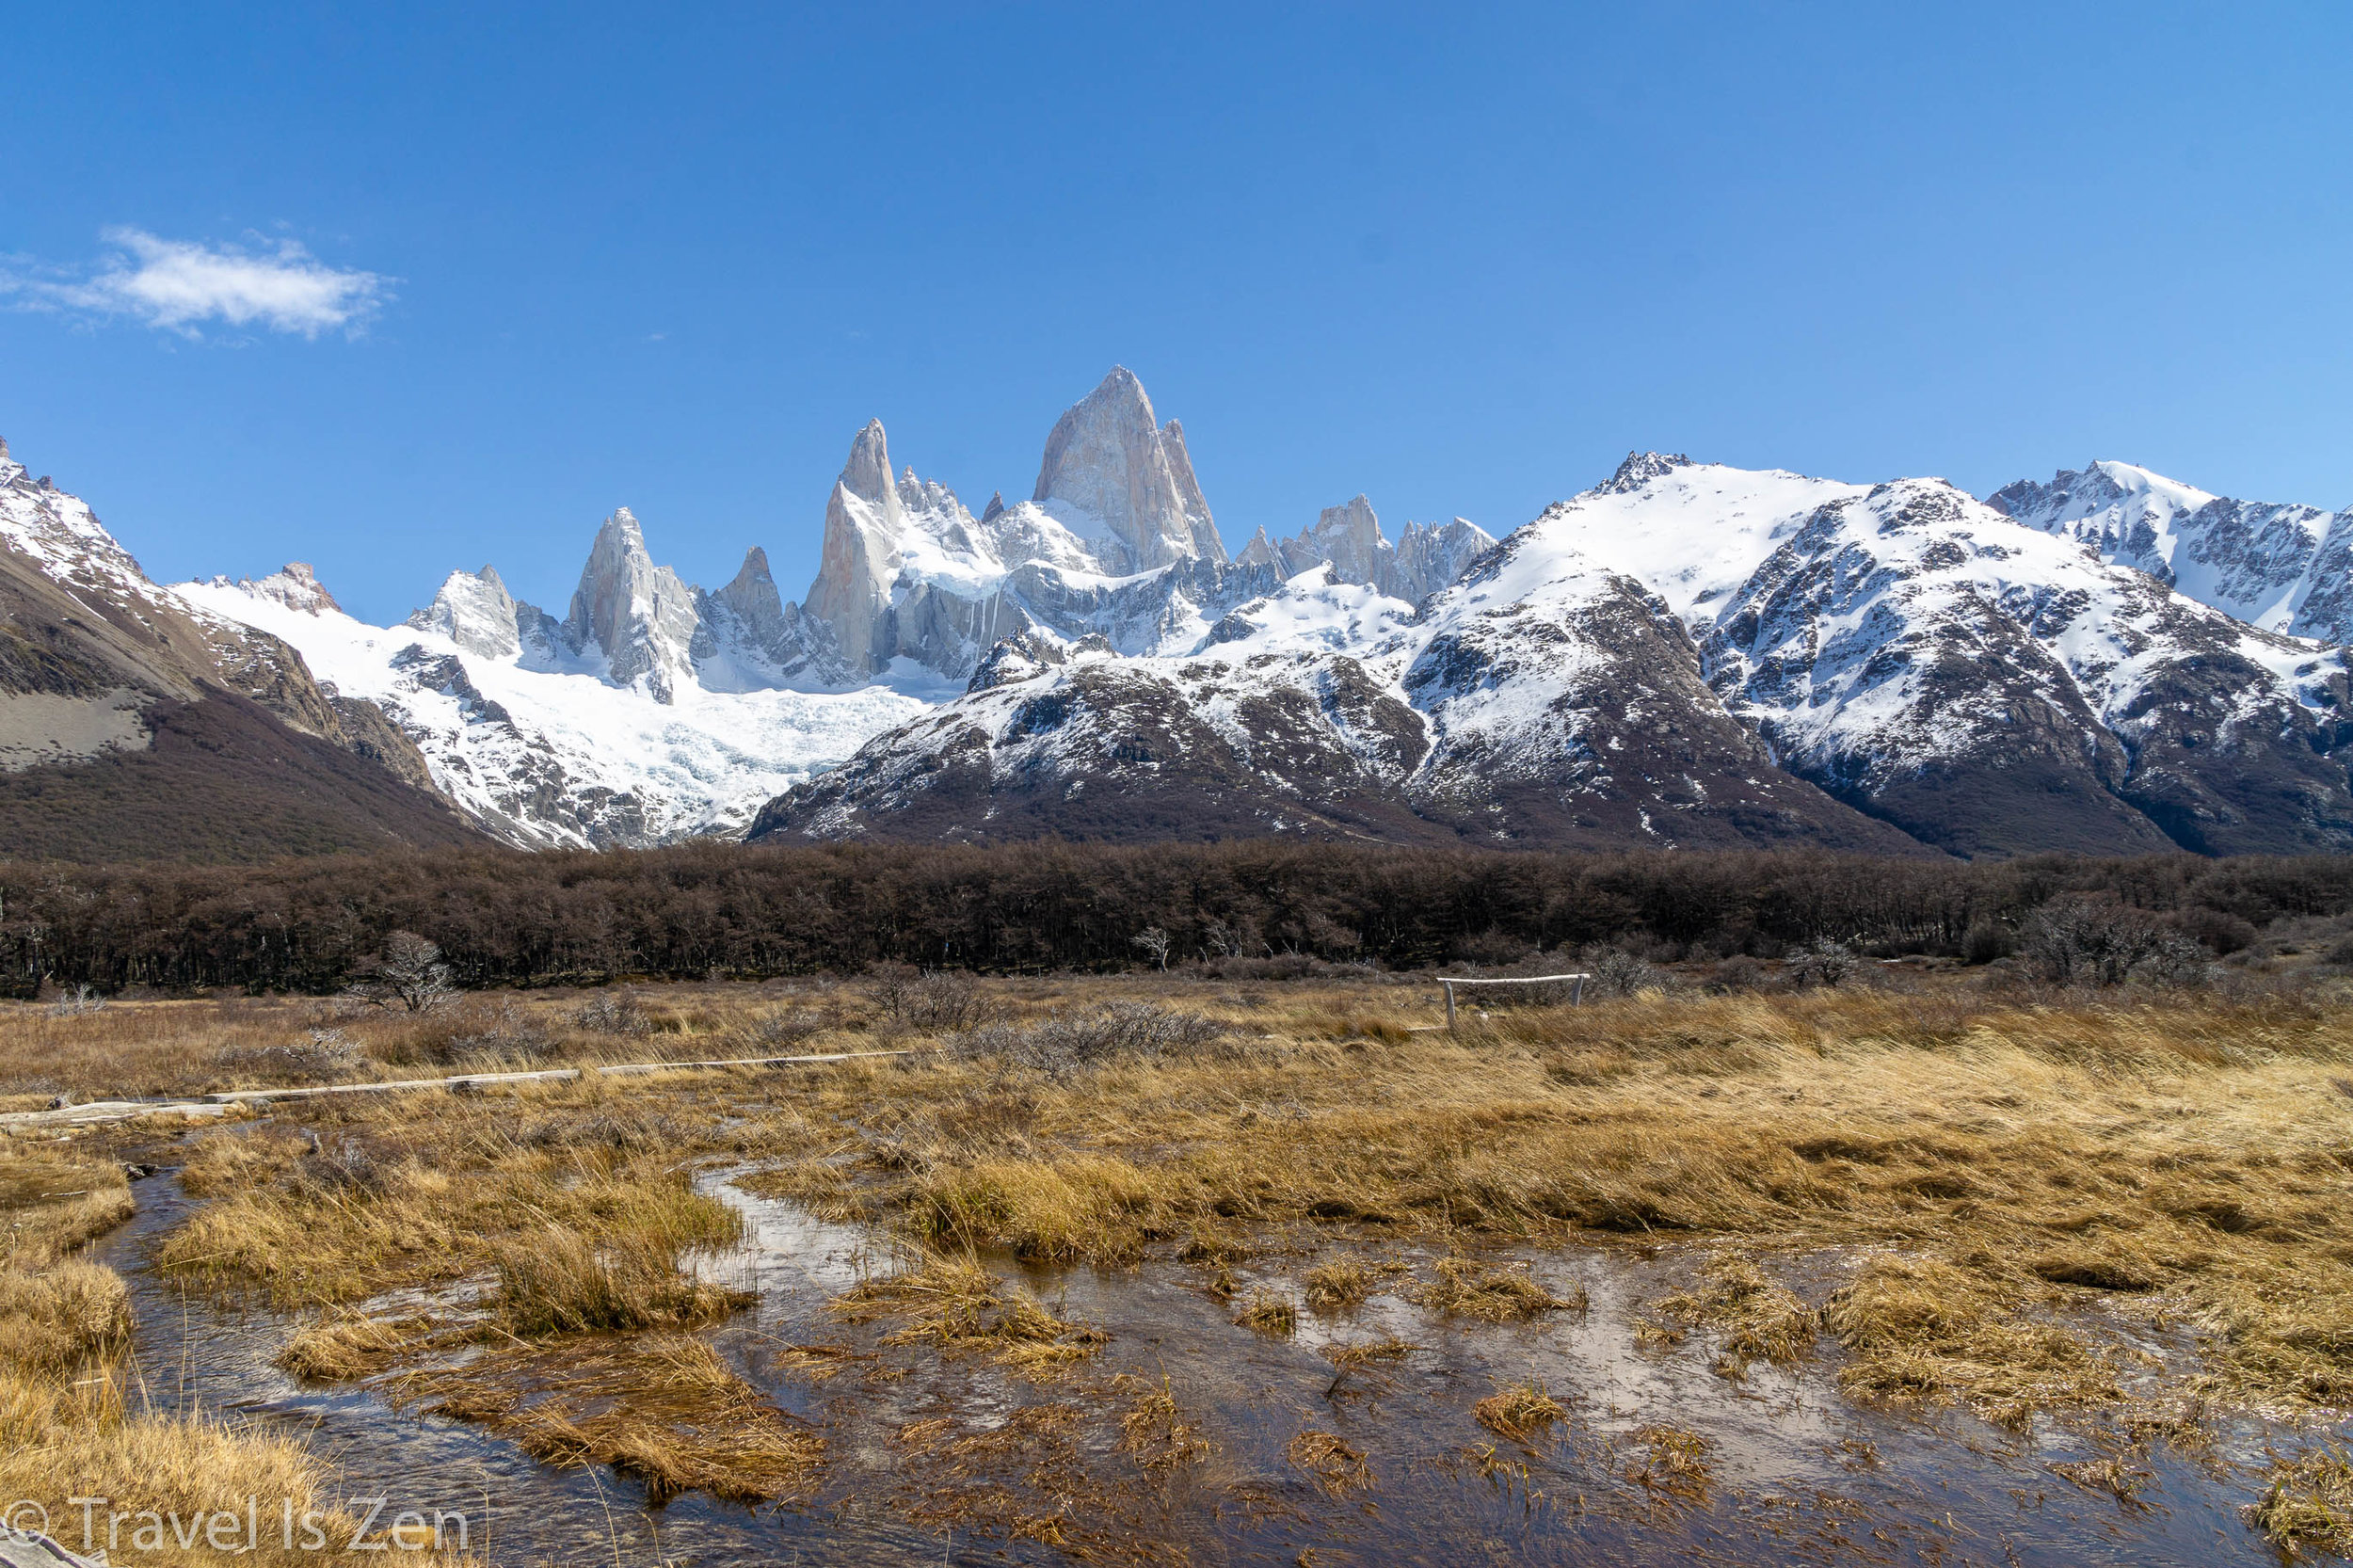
x: 639, y: 615
x: 298, y: 587
x: 3, y: 448
x: 2097, y: 484
x: 475, y: 611
x: 293, y: 585
x: 1259, y: 551
x: 1110, y: 461
x: 1641, y: 467
x: 996, y: 508
x: 867, y: 474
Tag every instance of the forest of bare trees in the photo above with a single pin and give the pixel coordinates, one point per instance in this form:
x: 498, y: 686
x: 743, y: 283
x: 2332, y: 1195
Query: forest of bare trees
x: 502, y: 917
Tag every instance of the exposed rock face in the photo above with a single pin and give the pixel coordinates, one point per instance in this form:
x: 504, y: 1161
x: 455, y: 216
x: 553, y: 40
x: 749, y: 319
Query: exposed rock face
x: 1632, y: 667
x: 475, y: 611
x: 1546, y: 702
x: 1685, y: 654
x: 1351, y: 539
x: 1431, y: 555
x: 747, y: 636
x: 1426, y: 558
x: 298, y: 587
x: 909, y: 578
x: 1124, y: 484
x: 2283, y: 567
x: 639, y: 615
x: 108, y: 662
x: 1988, y: 687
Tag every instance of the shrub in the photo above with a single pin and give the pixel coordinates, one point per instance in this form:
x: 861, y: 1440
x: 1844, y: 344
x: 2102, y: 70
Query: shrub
x: 612, y: 1012
x: 323, y: 1053
x: 928, y: 1001
x: 1128, y: 1031
x: 408, y: 973
x: 2080, y: 942
x: 1824, y: 963
x: 1619, y: 973
x: 1986, y: 940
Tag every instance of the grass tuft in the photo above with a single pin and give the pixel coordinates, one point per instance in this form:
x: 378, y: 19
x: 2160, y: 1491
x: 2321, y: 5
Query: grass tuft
x: 1519, y: 1411
x: 1495, y: 1295
x: 2307, y: 1502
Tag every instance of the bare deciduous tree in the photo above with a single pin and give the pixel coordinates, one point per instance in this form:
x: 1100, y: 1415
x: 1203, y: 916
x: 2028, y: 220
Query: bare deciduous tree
x: 1154, y: 941
x: 408, y: 973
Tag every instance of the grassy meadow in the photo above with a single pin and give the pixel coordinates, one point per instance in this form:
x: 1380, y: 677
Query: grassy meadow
x: 1955, y: 1193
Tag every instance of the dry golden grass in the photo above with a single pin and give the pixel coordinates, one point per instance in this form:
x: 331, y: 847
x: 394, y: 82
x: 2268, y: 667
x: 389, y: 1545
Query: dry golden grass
x: 661, y: 1407
x: 1974, y: 1170
x: 1760, y: 1320
x: 574, y: 1226
x: 1153, y: 1428
x: 2181, y: 1158
x: 71, y: 1420
x: 1925, y: 1329
x: 61, y: 1317
x: 1337, y: 1467
x: 1502, y: 1294
x: 559, y: 1281
x: 1343, y: 1282
x: 2307, y: 1503
x: 1519, y: 1411
x: 55, y: 1201
x: 1269, y: 1312
x: 1671, y: 1462
x: 962, y: 1309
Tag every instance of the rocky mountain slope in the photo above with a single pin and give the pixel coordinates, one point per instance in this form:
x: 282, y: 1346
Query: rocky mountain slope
x: 2283, y: 567
x: 1979, y: 681
x: 1684, y: 655
x: 545, y: 740
x: 133, y: 724
x: 1538, y: 700
x: 653, y: 710
x: 1986, y: 685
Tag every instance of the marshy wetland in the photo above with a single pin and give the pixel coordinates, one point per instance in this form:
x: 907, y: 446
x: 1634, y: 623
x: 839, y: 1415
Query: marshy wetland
x: 1928, y: 1265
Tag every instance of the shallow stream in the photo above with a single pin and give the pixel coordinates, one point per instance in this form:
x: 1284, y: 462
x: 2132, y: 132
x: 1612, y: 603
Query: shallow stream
x: 1794, y: 1473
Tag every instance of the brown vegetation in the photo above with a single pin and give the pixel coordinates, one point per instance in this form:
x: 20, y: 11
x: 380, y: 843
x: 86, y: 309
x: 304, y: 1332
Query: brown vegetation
x: 72, y: 1420
x: 1948, y: 1192
x: 1519, y: 1411
x: 1257, y: 909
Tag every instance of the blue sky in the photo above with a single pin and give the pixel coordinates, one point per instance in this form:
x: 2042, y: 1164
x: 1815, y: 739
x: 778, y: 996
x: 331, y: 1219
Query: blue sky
x: 1460, y: 258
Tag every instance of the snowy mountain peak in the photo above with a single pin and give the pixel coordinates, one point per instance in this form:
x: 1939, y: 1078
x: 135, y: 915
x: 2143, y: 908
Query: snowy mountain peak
x: 1112, y: 475
x: 1260, y: 551
x: 475, y: 611
x: 2097, y: 491
x: 638, y: 615
x: 2282, y: 566
x: 1640, y: 469
x: 1426, y: 557
x: 298, y: 587
x: 867, y: 474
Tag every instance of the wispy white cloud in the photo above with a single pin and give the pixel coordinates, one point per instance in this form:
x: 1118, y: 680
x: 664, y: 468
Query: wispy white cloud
x: 183, y: 286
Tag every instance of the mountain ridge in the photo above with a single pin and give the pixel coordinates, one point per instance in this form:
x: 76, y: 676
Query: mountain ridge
x: 1684, y: 654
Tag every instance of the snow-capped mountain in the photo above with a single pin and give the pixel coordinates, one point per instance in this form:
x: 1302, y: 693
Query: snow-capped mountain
x: 1687, y: 654
x: 1537, y: 699
x: 1425, y: 558
x: 543, y: 738
x: 2283, y: 567
x: 655, y: 710
x: 1981, y: 683
x: 134, y: 723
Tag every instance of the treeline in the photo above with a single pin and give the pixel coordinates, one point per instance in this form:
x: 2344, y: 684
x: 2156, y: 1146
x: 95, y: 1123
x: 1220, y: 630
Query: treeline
x: 720, y: 909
